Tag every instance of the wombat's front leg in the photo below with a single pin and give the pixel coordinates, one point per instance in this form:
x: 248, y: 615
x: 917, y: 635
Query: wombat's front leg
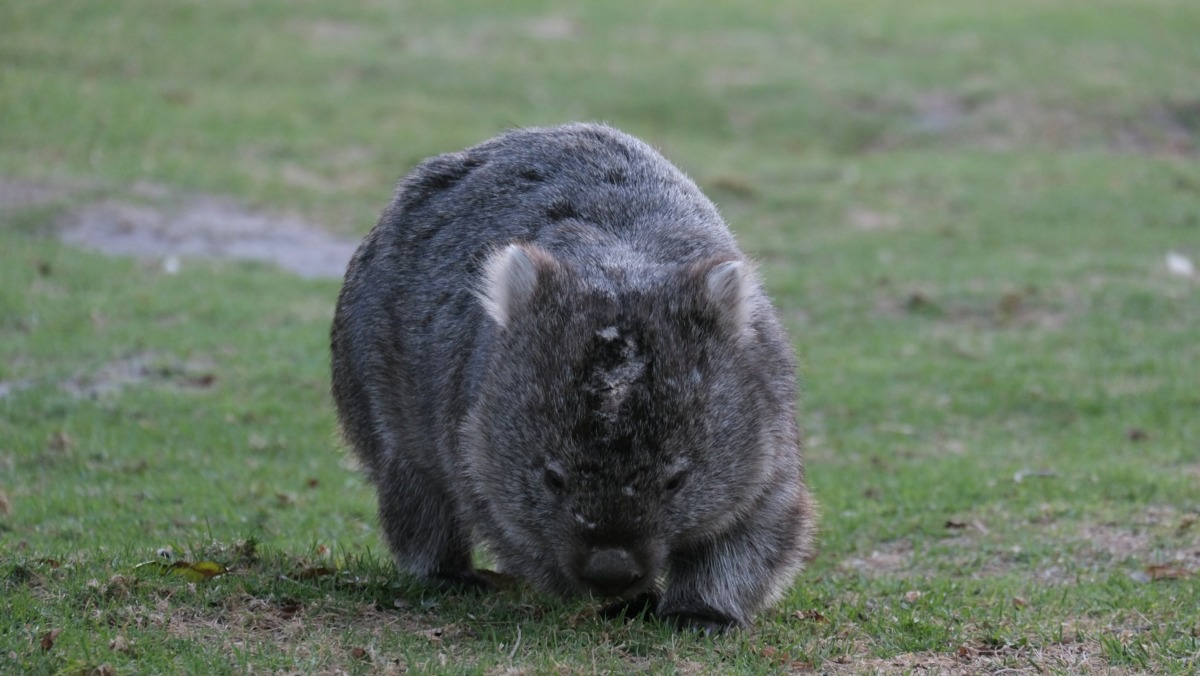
x: 418, y: 520
x: 721, y: 583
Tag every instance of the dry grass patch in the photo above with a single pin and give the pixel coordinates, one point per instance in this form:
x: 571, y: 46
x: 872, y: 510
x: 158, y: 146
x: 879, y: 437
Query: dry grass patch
x: 978, y: 658
x: 1009, y: 121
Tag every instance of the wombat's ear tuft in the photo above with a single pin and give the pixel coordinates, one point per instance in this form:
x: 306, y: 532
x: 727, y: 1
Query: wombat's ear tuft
x: 510, y: 278
x: 728, y: 291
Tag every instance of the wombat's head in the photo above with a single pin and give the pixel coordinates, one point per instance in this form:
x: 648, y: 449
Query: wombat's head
x: 622, y: 415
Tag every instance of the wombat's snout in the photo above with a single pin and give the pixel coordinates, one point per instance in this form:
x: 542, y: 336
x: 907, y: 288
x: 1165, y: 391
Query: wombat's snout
x: 612, y: 571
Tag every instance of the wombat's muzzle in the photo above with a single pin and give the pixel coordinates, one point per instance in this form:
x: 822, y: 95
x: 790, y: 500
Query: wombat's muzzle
x: 613, y: 571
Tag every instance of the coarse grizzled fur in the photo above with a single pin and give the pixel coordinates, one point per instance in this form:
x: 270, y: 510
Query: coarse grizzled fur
x: 550, y: 344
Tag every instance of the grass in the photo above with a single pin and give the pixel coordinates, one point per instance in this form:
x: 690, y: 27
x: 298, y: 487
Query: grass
x: 962, y: 211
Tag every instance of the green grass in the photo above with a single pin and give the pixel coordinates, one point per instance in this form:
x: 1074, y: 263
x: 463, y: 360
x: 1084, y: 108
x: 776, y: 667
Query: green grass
x: 962, y: 211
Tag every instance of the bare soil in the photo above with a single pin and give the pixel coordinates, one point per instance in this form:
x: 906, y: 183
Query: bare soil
x: 18, y: 195
x: 154, y: 223
x: 207, y: 227
x: 1067, y: 657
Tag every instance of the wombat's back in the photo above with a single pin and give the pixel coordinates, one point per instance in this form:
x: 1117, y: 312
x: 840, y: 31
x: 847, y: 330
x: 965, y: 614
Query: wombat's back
x: 584, y: 192
x: 547, y: 186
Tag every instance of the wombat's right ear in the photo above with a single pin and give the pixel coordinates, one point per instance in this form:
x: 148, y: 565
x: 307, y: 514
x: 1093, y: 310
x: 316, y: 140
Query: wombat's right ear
x: 728, y: 293
x: 510, y: 278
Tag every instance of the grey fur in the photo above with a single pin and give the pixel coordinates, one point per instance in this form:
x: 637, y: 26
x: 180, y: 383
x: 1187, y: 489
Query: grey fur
x: 550, y: 344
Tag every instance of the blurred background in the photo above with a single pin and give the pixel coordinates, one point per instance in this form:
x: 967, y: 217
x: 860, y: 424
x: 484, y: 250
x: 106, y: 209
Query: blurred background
x: 319, y: 108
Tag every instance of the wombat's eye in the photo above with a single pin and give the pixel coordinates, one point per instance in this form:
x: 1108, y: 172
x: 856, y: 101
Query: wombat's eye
x: 675, y: 482
x: 554, y: 481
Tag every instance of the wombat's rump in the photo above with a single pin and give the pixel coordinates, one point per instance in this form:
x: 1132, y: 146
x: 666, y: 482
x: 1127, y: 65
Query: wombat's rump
x: 550, y: 344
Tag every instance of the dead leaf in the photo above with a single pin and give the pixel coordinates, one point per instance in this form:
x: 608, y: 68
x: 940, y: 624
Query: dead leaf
x: 359, y: 654
x: 1010, y: 304
x: 912, y: 596
x: 289, y: 610
x: 1185, y: 523
x: 918, y: 302
x: 5, y: 505
x: 53, y: 563
x: 60, y: 441
x: 1019, y: 602
x: 203, y: 570
x: 313, y: 483
x: 810, y: 615
x: 120, y: 644
x: 775, y: 655
x: 1136, y: 434
x: 47, y: 641
x: 202, y: 381
x: 192, y: 572
x: 1164, y: 572
x: 954, y: 525
x: 434, y: 635
x: 734, y: 185
x: 312, y: 572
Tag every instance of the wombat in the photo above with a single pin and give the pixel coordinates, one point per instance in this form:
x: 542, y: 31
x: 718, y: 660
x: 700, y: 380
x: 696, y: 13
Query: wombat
x: 550, y: 344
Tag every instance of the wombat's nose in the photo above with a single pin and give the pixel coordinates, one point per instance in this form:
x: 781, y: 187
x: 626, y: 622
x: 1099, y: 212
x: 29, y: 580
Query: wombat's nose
x: 612, y: 571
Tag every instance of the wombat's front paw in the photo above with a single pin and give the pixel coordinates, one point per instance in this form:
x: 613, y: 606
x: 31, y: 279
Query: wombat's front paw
x: 705, y: 620
x: 642, y: 605
x: 465, y: 580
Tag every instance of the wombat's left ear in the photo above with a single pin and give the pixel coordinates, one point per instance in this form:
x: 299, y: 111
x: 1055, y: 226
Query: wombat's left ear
x: 728, y: 290
x: 511, y: 276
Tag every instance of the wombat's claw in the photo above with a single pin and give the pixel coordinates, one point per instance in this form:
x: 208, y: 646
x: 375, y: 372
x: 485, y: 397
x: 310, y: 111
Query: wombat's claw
x: 709, y: 622
x: 642, y: 605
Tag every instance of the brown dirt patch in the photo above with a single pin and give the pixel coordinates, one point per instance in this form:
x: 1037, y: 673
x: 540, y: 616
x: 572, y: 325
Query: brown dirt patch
x: 1158, y: 543
x: 139, y: 369
x: 330, y: 31
x: 153, y: 223
x: 135, y: 370
x: 1082, y: 657
x: 552, y: 28
x: 1160, y: 536
x: 887, y: 559
x: 870, y: 220
x: 1004, y: 122
x: 207, y: 227
x: 1010, y: 309
x: 17, y: 195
